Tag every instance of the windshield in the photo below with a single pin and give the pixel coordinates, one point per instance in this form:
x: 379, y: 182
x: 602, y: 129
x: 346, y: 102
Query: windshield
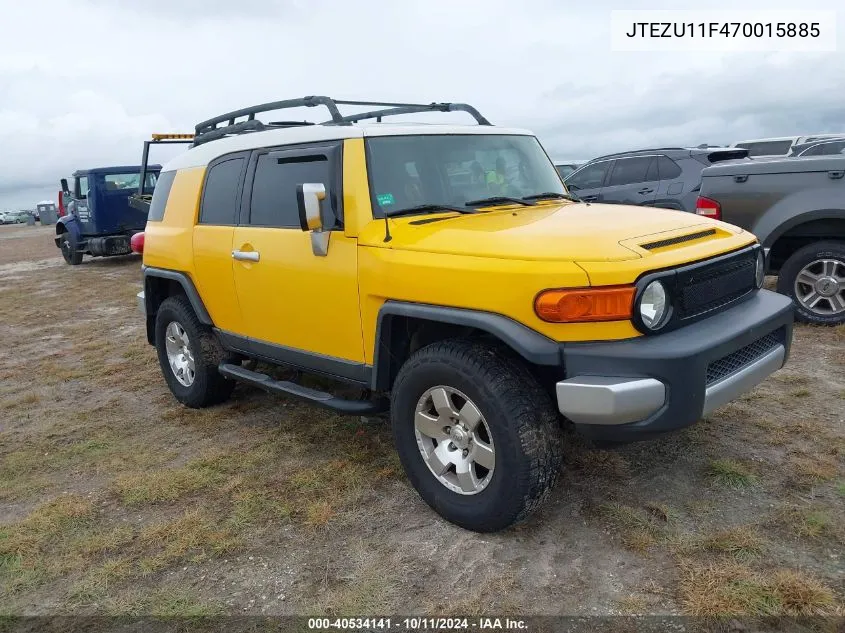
x: 407, y: 171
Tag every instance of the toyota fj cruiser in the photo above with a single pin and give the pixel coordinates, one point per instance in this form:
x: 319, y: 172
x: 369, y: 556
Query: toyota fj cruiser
x: 446, y: 272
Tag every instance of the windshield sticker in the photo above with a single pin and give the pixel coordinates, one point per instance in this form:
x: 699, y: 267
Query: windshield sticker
x: 385, y: 199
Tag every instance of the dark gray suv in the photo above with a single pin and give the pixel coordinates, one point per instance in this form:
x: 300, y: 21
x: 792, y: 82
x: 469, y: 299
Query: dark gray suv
x: 668, y: 177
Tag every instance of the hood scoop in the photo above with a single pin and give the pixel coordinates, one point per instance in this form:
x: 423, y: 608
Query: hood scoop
x: 679, y: 239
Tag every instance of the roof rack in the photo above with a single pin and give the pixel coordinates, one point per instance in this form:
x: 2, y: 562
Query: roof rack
x: 209, y: 130
x: 638, y: 151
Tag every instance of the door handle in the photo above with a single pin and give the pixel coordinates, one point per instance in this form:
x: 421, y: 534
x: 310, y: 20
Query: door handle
x: 589, y: 198
x: 246, y: 256
x: 836, y: 174
x: 645, y: 190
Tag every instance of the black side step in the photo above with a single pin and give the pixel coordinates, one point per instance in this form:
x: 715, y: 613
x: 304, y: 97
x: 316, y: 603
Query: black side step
x: 320, y: 398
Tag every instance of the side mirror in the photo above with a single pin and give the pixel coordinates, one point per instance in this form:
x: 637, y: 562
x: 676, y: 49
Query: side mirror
x: 309, y: 199
x: 64, y: 185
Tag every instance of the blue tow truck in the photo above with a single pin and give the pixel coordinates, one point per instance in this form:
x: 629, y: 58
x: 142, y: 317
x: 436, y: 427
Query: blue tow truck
x: 97, y: 217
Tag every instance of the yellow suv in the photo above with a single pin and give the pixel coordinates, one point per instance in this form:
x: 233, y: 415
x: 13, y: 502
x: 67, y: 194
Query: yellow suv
x: 446, y: 271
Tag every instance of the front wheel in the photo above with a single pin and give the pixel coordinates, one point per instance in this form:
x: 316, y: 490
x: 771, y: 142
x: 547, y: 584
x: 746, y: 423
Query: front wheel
x: 478, y: 437
x: 69, y: 247
x: 189, y: 355
x: 814, y: 276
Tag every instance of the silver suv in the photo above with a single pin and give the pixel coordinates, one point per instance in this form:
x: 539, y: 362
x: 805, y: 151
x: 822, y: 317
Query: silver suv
x: 667, y: 177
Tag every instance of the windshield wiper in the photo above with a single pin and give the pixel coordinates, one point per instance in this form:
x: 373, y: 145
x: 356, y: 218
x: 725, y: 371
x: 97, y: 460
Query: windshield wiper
x: 551, y: 195
x: 498, y: 200
x: 423, y: 208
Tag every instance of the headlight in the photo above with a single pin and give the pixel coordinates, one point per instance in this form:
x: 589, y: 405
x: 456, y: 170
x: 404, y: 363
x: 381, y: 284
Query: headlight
x: 760, y: 272
x: 654, y: 305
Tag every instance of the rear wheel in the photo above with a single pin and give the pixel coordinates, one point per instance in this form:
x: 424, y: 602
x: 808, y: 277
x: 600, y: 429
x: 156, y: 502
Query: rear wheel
x: 814, y: 276
x: 477, y: 435
x: 69, y: 245
x: 189, y: 355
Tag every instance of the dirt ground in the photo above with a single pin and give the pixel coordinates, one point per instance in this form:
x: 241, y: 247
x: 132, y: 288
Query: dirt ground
x: 115, y: 499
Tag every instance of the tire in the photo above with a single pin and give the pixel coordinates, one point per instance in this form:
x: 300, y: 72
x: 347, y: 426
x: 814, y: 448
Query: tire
x: 518, y: 420
x: 206, y: 386
x: 69, y: 245
x: 826, y: 262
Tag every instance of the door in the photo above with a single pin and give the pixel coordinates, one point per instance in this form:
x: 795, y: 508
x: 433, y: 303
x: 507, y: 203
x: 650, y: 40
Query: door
x: 587, y: 182
x: 212, y: 240
x: 633, y: 180
x: 299, y: 307
x: 80, y: 206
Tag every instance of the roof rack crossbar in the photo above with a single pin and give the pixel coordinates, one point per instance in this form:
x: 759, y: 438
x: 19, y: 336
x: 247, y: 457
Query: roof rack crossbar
x: 409, y: 108
x: 208, y: 130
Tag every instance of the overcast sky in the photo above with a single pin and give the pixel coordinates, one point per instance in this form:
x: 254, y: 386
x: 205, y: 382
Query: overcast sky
x: 84, y: 82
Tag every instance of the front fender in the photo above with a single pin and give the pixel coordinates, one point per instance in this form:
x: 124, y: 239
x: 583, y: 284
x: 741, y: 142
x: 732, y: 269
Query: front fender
x: 70, y: 224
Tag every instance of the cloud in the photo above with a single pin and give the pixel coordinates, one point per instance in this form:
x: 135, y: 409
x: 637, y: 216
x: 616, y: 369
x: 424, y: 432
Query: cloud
x: 84, y: 82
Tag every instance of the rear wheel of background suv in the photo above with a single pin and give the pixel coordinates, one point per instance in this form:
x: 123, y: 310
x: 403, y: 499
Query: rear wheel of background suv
x: 814, y: 276
x: 477, y: 435
x: 189, y: 355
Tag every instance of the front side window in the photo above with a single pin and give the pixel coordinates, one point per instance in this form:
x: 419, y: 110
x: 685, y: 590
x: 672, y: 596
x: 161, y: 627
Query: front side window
x: 406, y: 171
x: 273, y: 200
x: 81, y: 188
x: 589, y: 176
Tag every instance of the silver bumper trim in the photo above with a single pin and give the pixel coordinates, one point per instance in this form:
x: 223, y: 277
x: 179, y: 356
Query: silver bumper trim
x: 728, y: 388
x: 142, y: 302
x: 609, y: 400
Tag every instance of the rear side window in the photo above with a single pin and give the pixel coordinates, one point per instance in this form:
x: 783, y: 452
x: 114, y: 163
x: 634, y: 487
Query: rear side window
x: 160, y: 195
x: 273, y: 200
x: 630, y: 170
x: 220, y: 196
x: 667, y: 168
x: 589, y: 176
x: 767, y: 148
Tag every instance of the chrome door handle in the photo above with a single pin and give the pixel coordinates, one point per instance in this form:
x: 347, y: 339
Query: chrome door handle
x: 246, y: 256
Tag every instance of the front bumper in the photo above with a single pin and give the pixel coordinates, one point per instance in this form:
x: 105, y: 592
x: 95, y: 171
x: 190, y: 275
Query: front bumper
x: 633, y: 389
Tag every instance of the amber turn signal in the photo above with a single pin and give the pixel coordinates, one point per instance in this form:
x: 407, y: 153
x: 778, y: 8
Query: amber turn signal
x: 613, y: 303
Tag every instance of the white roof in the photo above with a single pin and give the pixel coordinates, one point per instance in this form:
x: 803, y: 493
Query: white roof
x: 203, y: 154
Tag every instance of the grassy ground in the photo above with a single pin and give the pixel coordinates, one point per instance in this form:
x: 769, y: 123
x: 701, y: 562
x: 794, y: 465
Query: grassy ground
x: 115, y: 499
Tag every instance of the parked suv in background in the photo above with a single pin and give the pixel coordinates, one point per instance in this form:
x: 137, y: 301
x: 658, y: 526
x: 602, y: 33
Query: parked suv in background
x: 443, y: 272
x: 668, y: 178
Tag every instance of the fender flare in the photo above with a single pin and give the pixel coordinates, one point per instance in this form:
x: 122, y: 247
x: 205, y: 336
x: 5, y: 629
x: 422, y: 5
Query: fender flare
x: 70, y: 224
x: 534, y: 347
x: 782, y: 217
x: 187, y: 285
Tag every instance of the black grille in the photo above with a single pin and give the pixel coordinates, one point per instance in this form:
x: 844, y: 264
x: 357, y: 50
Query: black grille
x: 711, y: 286
x: 744, y: 356
x: 678, y: 240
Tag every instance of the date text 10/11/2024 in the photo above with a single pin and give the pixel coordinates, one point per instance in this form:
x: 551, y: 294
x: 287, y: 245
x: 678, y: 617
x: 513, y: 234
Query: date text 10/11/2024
x: 417, y: 624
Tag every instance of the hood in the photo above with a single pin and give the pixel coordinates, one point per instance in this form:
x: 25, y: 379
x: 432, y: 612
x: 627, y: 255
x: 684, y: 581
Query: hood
x: 563, y: 232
